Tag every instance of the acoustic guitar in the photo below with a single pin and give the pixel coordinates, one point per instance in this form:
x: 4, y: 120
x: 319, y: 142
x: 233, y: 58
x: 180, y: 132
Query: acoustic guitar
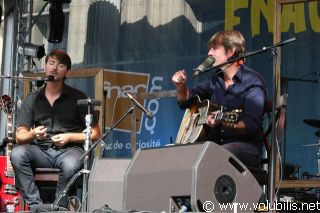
x: 195, y: 118
x: 9, y: 195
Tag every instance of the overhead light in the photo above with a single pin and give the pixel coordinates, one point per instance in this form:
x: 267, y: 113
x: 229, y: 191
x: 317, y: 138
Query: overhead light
x: 56, y: 21
x: 32, y: 50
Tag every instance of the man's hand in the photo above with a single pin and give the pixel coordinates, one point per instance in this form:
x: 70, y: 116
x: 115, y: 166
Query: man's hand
x: 61, y: 139
x: 40, y: 132
x: 211, y: 121
x: 179, y: 79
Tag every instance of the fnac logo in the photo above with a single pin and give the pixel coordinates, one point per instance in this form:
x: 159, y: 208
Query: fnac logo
x: 115, y: 84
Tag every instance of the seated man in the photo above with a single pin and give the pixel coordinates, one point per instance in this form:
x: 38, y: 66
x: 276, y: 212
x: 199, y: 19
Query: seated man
x: 49, y: 132
x: 234, y: 86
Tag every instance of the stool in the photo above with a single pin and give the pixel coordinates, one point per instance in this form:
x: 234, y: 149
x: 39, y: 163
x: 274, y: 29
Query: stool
x: 46, y: 180
x: 46, y: 174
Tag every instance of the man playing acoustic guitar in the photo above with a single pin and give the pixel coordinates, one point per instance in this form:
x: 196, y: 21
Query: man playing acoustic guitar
x: 233, y: 86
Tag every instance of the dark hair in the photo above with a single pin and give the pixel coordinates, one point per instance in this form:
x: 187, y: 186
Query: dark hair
x: 61, y: 56
x: 229, y: 39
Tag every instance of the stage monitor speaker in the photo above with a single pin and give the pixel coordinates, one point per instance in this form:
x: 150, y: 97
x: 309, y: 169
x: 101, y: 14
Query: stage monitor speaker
x: 106, y: 183
x: 184, y: 177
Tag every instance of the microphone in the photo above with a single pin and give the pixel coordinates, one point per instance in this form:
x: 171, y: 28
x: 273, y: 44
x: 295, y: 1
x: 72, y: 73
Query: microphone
x: 148, y: 114
x: 207, y: 63
x: 50, y: 78
x: 40, y: 82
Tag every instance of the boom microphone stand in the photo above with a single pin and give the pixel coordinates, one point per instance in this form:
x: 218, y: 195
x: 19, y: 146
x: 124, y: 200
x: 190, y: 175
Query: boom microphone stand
x: 85, y: 171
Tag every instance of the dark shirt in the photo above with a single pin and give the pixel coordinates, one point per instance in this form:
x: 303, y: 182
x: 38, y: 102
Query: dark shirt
x: 64, y: 116
x: 248, y: 93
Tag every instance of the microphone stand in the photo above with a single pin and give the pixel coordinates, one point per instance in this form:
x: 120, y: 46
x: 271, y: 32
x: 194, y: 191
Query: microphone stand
x: 246, y: 55
x: 129, y: 111
x: 85, y: 171
x: 17, y: 78
x: 70, y: 183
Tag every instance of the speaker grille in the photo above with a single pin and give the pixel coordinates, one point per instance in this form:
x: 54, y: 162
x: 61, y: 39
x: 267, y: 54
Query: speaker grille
x: 225, y: 189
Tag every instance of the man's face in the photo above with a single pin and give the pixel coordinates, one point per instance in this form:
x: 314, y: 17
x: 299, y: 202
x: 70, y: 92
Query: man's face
x: 220, y: 54
x: 55, y: 68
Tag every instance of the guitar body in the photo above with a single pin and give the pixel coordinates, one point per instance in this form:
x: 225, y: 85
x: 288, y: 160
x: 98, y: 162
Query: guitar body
x: 193, y: 121
x: 195, y: 118
x: 9, y: 196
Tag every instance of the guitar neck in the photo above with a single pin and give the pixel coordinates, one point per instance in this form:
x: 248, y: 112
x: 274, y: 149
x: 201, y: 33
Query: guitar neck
x: 9, y: 128
x: 9, y: 144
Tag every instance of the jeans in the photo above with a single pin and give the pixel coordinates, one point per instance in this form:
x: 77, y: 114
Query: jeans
x: 26, y: 158
x: 248, y: 153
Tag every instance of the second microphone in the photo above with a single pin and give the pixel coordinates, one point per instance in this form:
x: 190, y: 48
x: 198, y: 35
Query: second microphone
x: 137, y: 104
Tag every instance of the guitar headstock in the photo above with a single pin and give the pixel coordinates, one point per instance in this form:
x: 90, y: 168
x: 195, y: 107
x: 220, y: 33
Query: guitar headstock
x: 6, y: 104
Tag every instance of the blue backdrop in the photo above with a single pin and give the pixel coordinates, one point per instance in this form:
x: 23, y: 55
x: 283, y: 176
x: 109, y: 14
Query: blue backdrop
x: 164, y: 49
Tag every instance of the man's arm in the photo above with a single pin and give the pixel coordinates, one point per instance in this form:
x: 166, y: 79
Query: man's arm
x: 81, y: 137
x: 25, y: 135
x: 179, y: 79
x: 253, y: 110
x: 251, y: 114
x: 239, y: 126
x: 95, y: 132
x: 62, y: 139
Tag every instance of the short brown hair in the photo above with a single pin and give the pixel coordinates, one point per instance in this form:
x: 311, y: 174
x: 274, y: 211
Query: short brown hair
x: 61, y: 56
x: 229, y: 39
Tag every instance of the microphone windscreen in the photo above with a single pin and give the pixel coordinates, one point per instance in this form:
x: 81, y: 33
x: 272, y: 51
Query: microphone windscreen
x: 50, y: 78
x: 40, y: 83
x: 208, y: 62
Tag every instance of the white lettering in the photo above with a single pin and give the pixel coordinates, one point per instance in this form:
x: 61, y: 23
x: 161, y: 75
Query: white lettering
x: 119, y: 91
x: 153, y: 105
